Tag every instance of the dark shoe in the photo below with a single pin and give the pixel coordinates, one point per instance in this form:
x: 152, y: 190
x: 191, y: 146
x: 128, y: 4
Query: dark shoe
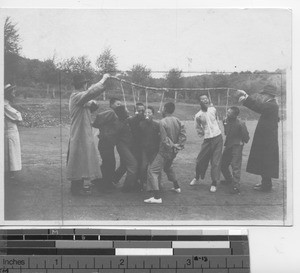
x: 234, y: 191
x: 262, y: 188
x: 225, y: 182
x: 96, y: 181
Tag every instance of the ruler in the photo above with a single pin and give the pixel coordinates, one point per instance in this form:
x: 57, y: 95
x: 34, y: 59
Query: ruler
x: 123, y: 251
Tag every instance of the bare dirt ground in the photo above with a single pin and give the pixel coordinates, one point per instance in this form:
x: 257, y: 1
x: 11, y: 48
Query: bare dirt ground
x: 42, y: 192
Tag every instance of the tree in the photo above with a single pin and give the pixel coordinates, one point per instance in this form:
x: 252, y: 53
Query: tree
x: 11, y: 37
x: 174, y: 80
x: 107, y: 62
x: 12, y: 50
x: 140, y: 74
x: 80, y: 64
x: 50, y: 74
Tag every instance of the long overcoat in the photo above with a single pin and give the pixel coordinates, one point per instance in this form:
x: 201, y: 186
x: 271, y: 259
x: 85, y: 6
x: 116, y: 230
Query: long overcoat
x: 83, y: 161
x: 264, y: 154
x: 12, y: 146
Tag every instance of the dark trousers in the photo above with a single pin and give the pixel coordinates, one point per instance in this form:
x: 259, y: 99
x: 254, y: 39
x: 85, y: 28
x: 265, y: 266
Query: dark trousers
x: 232, y: 157
x: 139, y: 157
x: 147, y: 159
x: 108, y: 166
x: 121, y: 170
x: 128, y: 163
x: 211, y: 151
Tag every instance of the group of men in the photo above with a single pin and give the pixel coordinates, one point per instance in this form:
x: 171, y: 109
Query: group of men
x: 147, y: 147
x: 264, y: 153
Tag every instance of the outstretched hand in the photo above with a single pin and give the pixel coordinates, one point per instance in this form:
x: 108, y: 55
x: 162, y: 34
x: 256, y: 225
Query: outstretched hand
x: 242, y: 95
x: 105, y: 77
x: 241, y: 92
x: 242, y: 98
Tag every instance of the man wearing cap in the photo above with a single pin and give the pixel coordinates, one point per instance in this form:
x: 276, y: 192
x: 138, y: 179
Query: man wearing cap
x: 82, y: 161
x: 264, y: 154
x: 12, y: 147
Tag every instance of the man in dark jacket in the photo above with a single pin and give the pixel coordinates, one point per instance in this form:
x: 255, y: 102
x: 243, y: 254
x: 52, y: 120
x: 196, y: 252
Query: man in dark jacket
x: 106, y: 123
x: 134, y: 123
x: 264, y: 154
x: 125, y: 145
x: 150, y: 139
x: 236, y: 136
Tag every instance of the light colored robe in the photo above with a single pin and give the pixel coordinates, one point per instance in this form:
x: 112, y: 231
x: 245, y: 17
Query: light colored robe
x: 12, y: 146
x: 83, y: 161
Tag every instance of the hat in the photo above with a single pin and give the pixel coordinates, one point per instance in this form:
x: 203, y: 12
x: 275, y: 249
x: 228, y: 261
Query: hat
x: 269, y: 90
x: 79, y: 78
x: 8, y: 87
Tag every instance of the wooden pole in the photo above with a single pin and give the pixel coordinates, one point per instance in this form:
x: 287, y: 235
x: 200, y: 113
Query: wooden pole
x: 171, y: 89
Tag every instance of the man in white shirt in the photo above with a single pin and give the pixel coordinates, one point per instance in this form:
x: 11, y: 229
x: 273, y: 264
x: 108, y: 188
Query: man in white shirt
x: 207, y: 126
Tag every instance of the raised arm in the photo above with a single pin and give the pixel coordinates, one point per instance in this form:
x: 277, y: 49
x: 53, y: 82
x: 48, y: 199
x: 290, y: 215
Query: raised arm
x: 252, y: 103
x: 93, y: 92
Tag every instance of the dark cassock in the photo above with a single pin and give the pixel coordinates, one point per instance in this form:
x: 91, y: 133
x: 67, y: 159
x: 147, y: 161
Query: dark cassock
x: 264, y: 154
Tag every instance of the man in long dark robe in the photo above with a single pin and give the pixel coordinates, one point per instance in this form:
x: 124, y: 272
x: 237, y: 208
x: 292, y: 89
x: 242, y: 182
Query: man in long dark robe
x: 264, y: 154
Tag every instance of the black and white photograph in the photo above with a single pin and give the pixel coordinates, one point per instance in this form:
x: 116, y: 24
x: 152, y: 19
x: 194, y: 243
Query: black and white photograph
x: 147, y: 116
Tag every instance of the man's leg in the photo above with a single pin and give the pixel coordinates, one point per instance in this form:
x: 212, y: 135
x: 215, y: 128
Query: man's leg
x: 131, y: 167
x: 216, y: 149
x: 236, y: 165
x: 144, y: 168
x: 225, y: 163
x: 121, y: 170
x: 168, y: 169
x: 108, y: 164
x: 154, y: 172
x: 138, y: 154
x: 203, y: 159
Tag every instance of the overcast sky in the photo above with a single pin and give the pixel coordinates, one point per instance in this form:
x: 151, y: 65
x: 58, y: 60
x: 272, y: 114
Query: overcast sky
x: 213, y: 40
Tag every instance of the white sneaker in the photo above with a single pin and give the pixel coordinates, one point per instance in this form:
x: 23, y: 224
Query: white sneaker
x: 178, y: 190
x: 152, y: 200
x: 213, y: 189
x: 194, y: 182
